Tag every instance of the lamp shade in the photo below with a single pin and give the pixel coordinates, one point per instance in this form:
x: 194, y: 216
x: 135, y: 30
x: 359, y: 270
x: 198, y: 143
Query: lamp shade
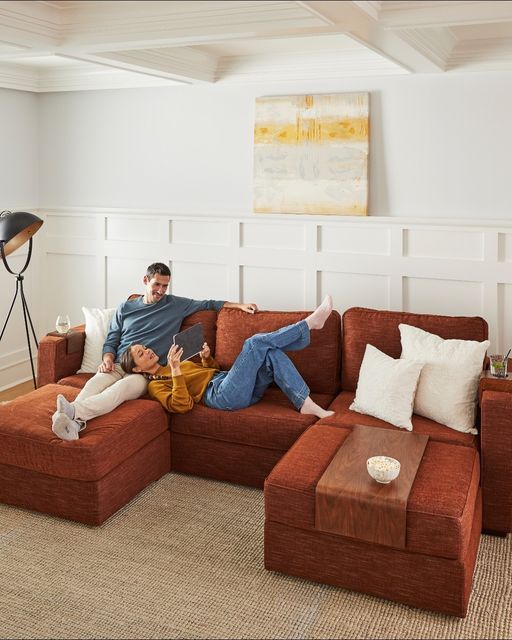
x: 16, y: 228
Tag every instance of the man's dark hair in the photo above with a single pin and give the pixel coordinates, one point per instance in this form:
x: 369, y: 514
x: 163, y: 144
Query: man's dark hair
x: 158, y: 268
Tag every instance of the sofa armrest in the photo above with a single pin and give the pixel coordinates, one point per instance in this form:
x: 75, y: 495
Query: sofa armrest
x: 59, y: 356
x: 496, y: 460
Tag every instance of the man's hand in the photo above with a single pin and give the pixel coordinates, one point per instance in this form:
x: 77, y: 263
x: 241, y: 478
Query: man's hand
x: 107, y: 364
x: 250, y: 307
x: 205, y: 352
x: 174, y: 359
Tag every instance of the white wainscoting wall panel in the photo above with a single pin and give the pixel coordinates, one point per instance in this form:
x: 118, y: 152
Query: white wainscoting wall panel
x: 274, y: 287
x: 505, y: 247
x: 97, y: 257
x: 355, y: 289
x: 504, y: 341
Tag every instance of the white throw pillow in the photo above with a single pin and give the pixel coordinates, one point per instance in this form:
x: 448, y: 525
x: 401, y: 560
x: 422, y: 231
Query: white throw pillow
x: 97, y: 322
x: 448, y: 384
x: 386, y: 388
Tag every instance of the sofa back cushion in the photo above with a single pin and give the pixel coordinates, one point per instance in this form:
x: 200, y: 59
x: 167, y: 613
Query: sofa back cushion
x: 319, y: 363
x: 380, y: 328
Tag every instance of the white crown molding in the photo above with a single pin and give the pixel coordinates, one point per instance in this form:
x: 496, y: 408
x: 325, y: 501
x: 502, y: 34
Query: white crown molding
x: 74, y: 79
x: 96, y: 79
x: 15, y: 77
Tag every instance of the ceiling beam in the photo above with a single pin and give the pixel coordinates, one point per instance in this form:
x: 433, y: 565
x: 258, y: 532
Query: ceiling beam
x: 184, y: 64
x: 350, y: 19
x: 417, y: 15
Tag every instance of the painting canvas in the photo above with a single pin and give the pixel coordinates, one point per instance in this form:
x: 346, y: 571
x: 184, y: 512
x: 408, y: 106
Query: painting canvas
x: 311, y: 154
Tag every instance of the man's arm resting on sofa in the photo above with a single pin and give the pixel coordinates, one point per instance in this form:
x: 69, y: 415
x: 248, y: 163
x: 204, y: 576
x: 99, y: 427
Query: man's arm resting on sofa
x: 60, y: 356
x: 496, y: 457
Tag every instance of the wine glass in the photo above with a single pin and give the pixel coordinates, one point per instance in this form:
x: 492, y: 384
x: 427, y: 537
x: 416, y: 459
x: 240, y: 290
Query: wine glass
x: 63, y: 324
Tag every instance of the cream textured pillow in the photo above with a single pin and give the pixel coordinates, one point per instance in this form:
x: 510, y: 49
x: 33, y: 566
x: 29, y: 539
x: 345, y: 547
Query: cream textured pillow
x: 97, y: 322
x: 448, y: 383
x: 386, y: 388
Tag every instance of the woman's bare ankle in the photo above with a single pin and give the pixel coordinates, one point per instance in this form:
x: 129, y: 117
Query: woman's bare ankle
x: 317, y: 319
x: 311, y: 408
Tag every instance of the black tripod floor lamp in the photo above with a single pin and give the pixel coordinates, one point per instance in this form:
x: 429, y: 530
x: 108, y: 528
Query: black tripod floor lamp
x: 15, y: 229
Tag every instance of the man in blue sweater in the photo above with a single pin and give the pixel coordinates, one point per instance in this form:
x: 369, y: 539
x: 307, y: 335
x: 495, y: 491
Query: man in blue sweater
x: 151, y: 319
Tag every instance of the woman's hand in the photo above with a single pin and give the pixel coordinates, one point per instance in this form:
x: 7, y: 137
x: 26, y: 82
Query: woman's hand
x: 205, y: 352
x: 174, y: 359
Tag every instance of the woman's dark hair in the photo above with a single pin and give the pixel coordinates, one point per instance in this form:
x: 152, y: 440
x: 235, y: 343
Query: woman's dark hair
x: 127, y: 361
x: 158, y: 268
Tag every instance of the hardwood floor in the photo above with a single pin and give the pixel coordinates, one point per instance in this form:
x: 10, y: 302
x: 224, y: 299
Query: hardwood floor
x: 18, y: 390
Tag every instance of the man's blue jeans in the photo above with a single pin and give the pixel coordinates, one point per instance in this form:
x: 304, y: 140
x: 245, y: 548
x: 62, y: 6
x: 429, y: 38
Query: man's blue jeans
x: 260, y: 363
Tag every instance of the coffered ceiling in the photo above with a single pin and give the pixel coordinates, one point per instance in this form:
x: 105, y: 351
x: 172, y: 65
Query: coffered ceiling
x: 62, y: 45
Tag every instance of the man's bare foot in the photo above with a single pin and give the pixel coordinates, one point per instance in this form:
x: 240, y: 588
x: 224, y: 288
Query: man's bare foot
x: 317, y: 319
x: 311, y: 408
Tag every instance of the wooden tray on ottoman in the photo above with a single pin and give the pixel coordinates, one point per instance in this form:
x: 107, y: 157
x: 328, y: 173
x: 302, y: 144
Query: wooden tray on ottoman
x: 351, y: 503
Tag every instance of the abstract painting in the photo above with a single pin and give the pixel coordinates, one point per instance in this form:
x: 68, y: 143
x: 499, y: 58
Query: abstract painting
x: 311, y: 154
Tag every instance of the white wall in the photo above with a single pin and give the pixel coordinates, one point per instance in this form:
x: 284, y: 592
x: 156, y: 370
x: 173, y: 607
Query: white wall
x: 440, y: 146
x: 18, y: 191
x: 19, y: 164
x: 134, y: 160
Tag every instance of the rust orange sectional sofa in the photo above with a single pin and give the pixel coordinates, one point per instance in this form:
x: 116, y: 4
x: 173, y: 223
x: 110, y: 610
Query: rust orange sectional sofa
x: 272, y: 445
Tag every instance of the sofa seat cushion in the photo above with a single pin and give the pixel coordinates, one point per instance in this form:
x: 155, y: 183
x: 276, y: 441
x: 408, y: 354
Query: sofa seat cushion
x: 343, y: 417
x: 272, y: 423
x: 77, y: 381
x: 440, y: 508
x: 27, y: 440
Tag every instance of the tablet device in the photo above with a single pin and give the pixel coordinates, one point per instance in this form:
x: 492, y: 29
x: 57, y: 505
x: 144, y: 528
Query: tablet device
x: 191, y: 340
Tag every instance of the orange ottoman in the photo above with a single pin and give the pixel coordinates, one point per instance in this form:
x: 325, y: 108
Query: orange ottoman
x: 444, y: 517
x: 88, y: 479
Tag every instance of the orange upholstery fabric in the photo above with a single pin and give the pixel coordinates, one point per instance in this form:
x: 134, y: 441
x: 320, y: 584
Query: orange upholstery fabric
x: 380, y: 328
x: 77, y: 380
x: 227, y: 461
x: 496, y: 447
x: 53, y: 360
x: 429, y: 582
x: 272, y: 423
x: 318, y: 364
x: 27, y: 440
x: 441, y: 505
x: 88, y: 502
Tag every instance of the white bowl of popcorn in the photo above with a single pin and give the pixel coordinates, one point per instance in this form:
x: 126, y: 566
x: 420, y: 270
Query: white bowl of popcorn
x: 383, y: 468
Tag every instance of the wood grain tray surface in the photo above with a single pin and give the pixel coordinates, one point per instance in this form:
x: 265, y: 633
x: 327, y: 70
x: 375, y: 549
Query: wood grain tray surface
x: 349, y: 502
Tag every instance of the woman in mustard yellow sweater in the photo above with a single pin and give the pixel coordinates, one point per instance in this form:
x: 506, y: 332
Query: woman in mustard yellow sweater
x: 180, y: 385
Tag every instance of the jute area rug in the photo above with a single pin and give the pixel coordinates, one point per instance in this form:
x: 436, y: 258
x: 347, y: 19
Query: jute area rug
x: 185, y: 560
